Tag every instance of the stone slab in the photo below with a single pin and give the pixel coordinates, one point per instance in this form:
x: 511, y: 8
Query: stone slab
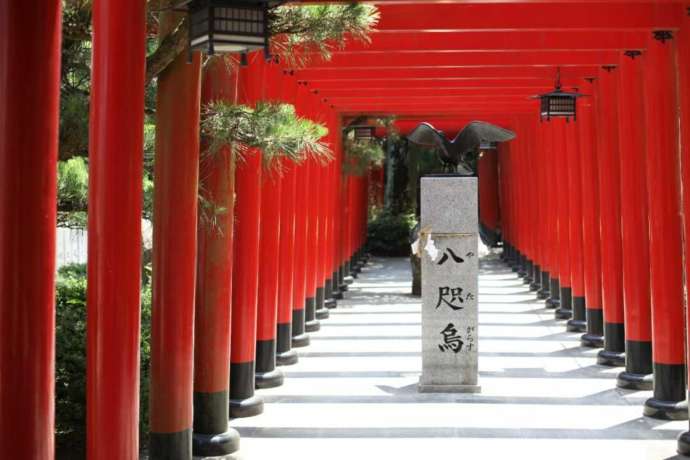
x: 449, y: 204
x: 450, y: 273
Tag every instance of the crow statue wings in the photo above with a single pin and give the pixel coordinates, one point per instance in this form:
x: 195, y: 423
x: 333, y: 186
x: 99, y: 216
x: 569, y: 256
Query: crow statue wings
x: 457, y: 154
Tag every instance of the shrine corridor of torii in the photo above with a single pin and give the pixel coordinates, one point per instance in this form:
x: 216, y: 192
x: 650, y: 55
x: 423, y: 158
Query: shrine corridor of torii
x: 592, y: 214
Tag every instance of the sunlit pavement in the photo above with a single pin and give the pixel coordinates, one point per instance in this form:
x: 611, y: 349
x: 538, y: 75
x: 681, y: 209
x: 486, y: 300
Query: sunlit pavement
x: 353, y: 392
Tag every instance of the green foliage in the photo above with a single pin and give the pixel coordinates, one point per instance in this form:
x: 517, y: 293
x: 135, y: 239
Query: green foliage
x: 147, y: 210
x: 73, y: 184
x: 275, y: 129
x: 70, y: 366
x: 303, y: 30
x: 389, y: 234
x: 361, y: 155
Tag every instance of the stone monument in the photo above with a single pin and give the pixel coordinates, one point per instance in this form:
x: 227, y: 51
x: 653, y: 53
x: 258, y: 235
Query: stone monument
x: 450, y: 270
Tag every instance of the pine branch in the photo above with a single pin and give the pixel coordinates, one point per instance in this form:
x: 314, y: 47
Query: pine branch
x: 275, y: 129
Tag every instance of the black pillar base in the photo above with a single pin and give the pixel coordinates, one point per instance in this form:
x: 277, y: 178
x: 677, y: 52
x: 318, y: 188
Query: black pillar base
x: 215, y: 445
x: 270, y: 379
x: 267, y: 376
x: 562, y: 314
x: 243, y: 401
x: 330, y: 303
x: 170, y: 446
x: 249, y: 407
x: 212, y: 436
x: 543, y: 292
x: 338, y: 295
x: 684, y: 443
x: 554, y: 301
x: 576, y: 325
x: 669, y: 401
x: 321, y: 310
x: 666, y: 410
x: 611, y: 358
x: 579, y: 321
x: 288, y: 358
x: 638, y: 373
x: 613, y: 353
x: 312, y: 326
x: 348, y: 280
x: 630, y: 381
x: 536, y: 278
x: 592, y: 340
x: 565, y: 309
x: 300, y: 341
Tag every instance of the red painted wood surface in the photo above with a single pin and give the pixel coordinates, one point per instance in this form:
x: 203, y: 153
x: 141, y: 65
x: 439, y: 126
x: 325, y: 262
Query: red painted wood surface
x: 269, y: 244
x: 634, y: 219
x: 245, y: 277
x: 114, y: 247
x: 664, y: 206
x: 174, y: 246
x: 562, y: 183
x: 590, y: 204
x: 608, y: 153
x: 488, y: 190
x: 215, y: 246
x: 577, y: 282
x: 29, y: 90
x: 684, y: 100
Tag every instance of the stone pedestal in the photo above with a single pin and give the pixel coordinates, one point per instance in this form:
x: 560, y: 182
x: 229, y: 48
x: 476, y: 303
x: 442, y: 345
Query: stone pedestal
x: 450, y: 272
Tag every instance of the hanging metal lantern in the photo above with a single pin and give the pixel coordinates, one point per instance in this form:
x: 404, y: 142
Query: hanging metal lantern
x: 558, y: 103
x: 364, y: 133
x: 228, y: 26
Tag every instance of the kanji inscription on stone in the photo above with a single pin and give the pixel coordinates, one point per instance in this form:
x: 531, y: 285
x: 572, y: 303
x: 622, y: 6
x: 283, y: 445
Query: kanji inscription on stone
x: 450, y: 272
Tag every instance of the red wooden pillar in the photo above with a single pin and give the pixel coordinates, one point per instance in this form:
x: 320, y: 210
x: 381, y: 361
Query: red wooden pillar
x: 683, y: 48
x: 663, y: 190
x: 311, y: 323
x: 246, y: 253
x: 331, y: 268
x: 634, y: 224
x: 553, y: 144
x: 543, y: 161
x: 578, y: 323
x: 267, y: 376
x: 322, y: 236
x: 561, y: 153
x: 535, y: 228
x: 174, y: 256
x: 214, y: 282
x: 488, y: 197
x: 285, y: 355
x: 114, y: 265
x: 30, y: 93
x: 337, y: 204
x: 609, y: 205
x: 591, y: 237
x: 299, y: 336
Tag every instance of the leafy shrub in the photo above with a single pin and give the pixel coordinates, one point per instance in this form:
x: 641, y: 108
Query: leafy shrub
x: 389, y: 234
x: 73, y: 184
x: 70, y: 369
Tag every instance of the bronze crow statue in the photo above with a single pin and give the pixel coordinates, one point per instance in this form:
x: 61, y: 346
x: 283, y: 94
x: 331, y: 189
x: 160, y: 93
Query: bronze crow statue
x: 458, y: 155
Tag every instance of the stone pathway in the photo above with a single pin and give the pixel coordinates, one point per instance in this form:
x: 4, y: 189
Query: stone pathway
x: 353, y: 393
